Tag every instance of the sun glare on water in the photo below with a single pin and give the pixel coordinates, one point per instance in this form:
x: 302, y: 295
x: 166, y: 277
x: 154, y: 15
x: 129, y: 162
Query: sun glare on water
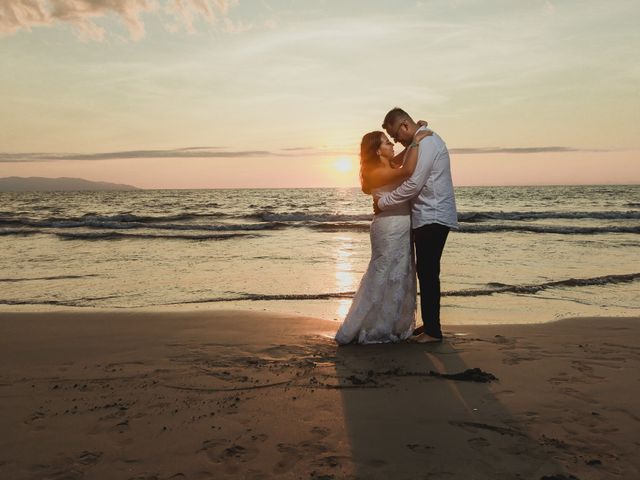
x: 343, y: 164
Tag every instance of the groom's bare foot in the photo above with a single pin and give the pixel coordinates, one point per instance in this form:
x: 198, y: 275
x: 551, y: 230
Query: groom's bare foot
x: 424, y: 338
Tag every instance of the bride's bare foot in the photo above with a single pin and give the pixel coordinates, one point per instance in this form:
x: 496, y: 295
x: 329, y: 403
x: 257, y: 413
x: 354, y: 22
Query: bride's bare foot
x: 424, y: 338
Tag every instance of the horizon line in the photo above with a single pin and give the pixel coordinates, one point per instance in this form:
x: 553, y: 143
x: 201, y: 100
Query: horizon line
x: 353, y: 187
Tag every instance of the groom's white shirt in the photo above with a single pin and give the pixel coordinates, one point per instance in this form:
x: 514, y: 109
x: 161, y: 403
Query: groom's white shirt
x: 429, y: 189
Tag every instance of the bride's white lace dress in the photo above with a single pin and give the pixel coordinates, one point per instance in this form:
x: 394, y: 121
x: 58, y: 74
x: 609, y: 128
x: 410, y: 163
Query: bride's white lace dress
x: 384, y: 306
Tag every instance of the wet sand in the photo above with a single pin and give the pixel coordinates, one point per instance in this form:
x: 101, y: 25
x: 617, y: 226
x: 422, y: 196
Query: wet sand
x: 233, y: 394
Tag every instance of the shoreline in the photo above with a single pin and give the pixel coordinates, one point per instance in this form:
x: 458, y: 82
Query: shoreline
x: 240, y: 394
x: 259, y: 307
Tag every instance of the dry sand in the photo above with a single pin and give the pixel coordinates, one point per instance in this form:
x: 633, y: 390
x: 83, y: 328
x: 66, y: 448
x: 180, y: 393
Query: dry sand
x: 228, y: 394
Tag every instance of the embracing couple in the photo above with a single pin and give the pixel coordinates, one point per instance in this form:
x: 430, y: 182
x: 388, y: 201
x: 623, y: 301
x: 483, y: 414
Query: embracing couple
x: 414, y: 205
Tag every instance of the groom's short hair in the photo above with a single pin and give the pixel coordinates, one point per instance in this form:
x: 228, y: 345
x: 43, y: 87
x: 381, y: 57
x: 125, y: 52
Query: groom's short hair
x: 393, y: 116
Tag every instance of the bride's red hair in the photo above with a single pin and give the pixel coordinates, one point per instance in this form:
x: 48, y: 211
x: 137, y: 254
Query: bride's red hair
x: 369, y: 158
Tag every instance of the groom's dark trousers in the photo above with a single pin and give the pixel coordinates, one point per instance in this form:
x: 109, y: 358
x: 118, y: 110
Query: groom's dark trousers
x: 429, y: 242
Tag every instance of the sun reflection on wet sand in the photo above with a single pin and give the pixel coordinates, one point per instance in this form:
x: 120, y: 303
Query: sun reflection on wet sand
x: 345, y: 279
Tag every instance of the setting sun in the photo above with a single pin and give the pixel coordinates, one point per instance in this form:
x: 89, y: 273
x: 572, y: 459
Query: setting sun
x: 343, y: 164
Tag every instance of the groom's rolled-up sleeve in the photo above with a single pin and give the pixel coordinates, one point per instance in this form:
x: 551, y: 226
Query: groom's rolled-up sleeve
x: 412, y: 185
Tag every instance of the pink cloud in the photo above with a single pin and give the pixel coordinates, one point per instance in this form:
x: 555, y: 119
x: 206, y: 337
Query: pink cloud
x: 16, y: 15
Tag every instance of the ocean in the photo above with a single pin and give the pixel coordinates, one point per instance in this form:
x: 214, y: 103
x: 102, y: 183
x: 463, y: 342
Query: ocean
x: 521, y: 255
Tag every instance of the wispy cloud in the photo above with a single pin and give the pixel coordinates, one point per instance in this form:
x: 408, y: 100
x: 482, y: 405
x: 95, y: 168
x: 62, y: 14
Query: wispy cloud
x: 16, y: 15
x: 298, y: 149
x: 188, y: 152
x: 220, y: 152
x: 463, y: 151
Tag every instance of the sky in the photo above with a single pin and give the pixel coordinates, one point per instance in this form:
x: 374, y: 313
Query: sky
x: 278, y: 93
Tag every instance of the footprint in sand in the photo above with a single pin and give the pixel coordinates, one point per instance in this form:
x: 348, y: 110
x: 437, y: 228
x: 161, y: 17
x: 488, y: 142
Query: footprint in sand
x: 517, y: 357
x: 320, y: 432
x: 34, y: 417
x: 89, y: 458
x: 331, y: 461
x: 418, y: 448
x: 585, y: 369
x: 229, y: 455
x: 293, y: 453
x: 260, y: 437
x: 479, y: 442
x: 67, y: 468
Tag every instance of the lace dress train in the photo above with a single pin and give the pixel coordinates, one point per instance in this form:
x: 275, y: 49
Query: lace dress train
x: 384, y: 306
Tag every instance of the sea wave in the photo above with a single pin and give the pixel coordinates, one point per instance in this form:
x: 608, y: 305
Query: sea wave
x: 229, y: 228
x: 90, y: 219
x: 130, y: 217
x: 339, y: 227
x: 122, y: 236
x: 75, y: 302
x: 115, y: 225
x: 560, y: 230
x: 269, y: 220
x: 55, y: 277
x: 491, y: 289
x: 18, y: 231
x: 38, y: 302
x: 269, y: 216
x: 533, y: 215
x: 496, y: 287
x: 266, y: 219
x: 487, y: 228
x: 470, y: 217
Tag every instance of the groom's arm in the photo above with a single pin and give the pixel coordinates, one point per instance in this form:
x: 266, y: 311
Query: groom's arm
x: 411, y: 186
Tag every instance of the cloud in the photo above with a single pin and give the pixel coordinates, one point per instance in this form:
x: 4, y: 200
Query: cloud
x: 18, y: 15
x: 298, y: 149
x: 464, y: 151
x: 220, y: 152
x: 188, y: 152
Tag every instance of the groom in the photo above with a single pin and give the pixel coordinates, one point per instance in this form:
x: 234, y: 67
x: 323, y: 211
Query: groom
x: 433, y: 212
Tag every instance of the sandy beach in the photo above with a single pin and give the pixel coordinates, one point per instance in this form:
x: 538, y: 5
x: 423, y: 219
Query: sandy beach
x: 232, y: 394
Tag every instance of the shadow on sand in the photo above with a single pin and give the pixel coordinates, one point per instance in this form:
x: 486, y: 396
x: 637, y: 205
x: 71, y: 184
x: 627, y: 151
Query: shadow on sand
x: 404, y: 423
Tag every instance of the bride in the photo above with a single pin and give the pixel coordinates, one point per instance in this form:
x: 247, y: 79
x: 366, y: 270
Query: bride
x: 384, y: 306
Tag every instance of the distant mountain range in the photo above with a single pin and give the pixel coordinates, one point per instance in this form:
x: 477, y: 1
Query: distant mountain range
x: 44, y: 184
